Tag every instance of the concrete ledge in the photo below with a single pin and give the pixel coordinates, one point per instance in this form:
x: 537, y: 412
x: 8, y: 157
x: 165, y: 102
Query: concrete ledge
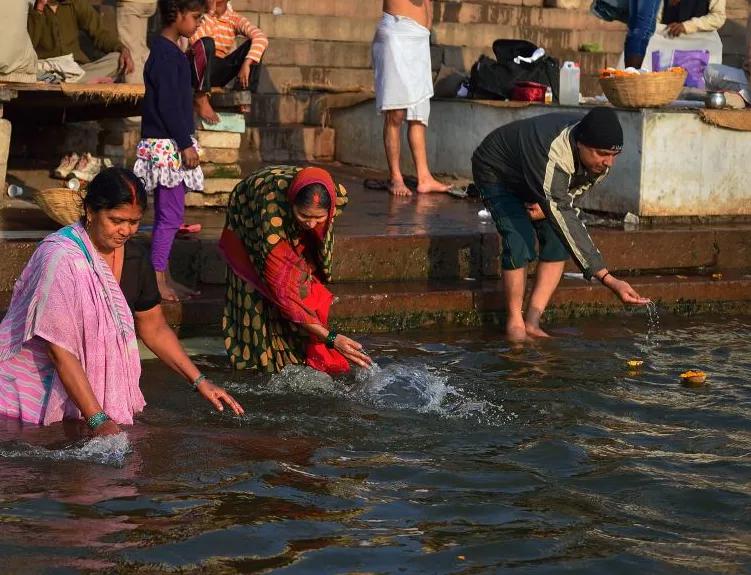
x: 672, y: 165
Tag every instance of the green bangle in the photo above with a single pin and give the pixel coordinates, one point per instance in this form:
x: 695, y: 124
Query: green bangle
x: 97, y: 419
x: 331, y: 338
x: 198, y: 381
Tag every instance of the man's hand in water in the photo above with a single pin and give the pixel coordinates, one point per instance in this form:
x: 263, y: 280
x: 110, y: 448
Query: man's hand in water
x: 351, y: 350
x: 625, y: 292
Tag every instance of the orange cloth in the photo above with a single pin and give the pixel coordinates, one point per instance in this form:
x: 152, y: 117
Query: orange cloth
x: 223, y: 29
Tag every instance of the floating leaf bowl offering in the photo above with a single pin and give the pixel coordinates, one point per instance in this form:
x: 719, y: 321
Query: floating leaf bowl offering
x: 634, y: 363
x: 693, y: 377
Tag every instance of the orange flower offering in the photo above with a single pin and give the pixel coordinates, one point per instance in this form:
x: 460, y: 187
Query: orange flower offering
x: 693, y: 377
x: 613, y: 73
x: 634, y: 363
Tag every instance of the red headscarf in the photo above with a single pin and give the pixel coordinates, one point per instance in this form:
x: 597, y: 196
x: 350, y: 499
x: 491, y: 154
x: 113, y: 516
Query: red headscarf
x: 313, y: 175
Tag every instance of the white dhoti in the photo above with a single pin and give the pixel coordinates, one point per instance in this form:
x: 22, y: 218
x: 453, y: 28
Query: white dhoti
x: 403, y: 75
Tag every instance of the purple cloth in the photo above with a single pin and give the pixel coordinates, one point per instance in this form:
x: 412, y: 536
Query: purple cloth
x: 169, y: 209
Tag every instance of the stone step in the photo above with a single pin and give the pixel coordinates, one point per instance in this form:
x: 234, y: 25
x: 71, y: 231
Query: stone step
x: 310, y: 108
x: 483, y: 36
x: 573, y: 28
x: 390, y: 306
x: 285, y: 79
x: 290, y: 143
x: 454, y: 257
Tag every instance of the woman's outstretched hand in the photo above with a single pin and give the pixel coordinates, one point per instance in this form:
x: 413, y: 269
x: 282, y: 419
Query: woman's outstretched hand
x: 351, y: 350
x: 216, y: 395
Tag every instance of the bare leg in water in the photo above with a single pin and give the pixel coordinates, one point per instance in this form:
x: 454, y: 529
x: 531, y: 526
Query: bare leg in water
x: 426, y: 183
x: 547, y: 278
x: 514, y: 282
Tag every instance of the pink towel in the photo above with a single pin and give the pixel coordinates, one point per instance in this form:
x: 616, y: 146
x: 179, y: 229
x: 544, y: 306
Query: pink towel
x: 68, y: 297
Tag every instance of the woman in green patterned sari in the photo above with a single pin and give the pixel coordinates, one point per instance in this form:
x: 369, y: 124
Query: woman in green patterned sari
x: 278, y: 242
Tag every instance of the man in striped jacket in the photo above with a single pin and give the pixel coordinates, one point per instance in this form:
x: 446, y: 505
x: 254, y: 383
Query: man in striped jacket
x: 529, y: 173
x: 212, y: 46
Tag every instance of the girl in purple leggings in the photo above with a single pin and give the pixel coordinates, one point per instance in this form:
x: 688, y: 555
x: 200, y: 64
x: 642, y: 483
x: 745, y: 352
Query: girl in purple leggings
x: 167, y: 155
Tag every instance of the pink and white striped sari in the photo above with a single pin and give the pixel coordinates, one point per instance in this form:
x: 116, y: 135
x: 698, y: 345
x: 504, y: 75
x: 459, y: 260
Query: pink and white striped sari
x: 68, y: 296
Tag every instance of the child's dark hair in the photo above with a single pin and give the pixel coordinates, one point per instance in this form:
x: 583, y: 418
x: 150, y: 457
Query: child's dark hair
x: 169, y: 9
x: 114, y: 187
x: 313, y: 196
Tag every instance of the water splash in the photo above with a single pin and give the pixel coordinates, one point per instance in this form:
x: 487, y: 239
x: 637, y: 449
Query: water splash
x: 107, y: 450
x: 653, y: 323
x: 396, y: 386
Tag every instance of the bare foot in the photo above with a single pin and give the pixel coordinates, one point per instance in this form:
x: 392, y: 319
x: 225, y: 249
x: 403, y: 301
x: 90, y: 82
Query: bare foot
x: 165, y: 289
x: 204, y: 110
x: 516, y: 331
x: 399, y: 188
x: 535, y: 331
x: 432, y: 185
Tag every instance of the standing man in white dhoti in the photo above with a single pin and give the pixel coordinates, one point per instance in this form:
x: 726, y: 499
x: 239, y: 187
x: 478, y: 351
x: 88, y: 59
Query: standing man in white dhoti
x: 404, y: 86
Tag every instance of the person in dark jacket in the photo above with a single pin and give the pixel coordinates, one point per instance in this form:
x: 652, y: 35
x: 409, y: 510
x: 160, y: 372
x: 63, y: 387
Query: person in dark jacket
x: 529, y: 172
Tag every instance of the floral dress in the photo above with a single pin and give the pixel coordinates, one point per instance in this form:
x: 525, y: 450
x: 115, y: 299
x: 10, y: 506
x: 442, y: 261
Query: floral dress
x: 158, y: 163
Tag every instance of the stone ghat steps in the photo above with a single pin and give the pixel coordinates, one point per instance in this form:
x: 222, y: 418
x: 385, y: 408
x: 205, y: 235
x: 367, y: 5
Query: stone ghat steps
x: 388, y: 306
x: 551, y: 28
x: 368, y: 258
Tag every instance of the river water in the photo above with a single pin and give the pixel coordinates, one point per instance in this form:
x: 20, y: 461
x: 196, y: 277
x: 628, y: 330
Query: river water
x: 458, y: 454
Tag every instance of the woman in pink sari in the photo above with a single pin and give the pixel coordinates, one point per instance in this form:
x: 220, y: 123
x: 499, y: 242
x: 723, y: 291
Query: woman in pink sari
x: 68, y: 344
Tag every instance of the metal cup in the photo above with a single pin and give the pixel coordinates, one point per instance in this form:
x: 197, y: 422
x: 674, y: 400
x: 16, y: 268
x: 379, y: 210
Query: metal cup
x: 15, y: 191
x: 715, y: 100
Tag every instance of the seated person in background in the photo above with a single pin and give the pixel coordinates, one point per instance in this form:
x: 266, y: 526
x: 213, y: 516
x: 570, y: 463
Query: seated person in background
x: 18, y: 62
x: 678, y: 17
x: 54, y: 26
x: 213, y: 42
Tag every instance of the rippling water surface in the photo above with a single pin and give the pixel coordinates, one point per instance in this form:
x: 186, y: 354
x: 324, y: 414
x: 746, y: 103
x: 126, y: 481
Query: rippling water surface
x: 457, y: 454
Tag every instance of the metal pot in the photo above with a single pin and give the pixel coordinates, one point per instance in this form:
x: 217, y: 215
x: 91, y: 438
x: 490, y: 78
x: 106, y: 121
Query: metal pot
x: 715, y: 100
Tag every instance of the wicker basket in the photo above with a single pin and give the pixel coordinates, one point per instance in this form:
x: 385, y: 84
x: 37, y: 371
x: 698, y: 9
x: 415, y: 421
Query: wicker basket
x: 61, y: 204
x: 643, y: 90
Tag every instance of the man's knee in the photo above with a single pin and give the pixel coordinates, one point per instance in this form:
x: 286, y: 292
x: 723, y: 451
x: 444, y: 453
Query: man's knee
x: 395, y: 117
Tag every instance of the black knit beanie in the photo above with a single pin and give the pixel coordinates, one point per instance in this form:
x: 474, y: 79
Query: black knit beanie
x: 600, y: 129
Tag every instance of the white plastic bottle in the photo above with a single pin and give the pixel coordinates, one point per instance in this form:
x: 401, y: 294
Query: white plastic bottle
x: 569, y: 84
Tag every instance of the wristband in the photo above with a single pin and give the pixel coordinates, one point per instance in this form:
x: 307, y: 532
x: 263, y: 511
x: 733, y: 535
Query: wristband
x: 602, y: 279
x: 331, y: 338
x: 96, y: 420
x: 198, y: 381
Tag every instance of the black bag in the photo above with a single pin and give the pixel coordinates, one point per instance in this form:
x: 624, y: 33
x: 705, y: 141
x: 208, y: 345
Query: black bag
x: 493, y: 79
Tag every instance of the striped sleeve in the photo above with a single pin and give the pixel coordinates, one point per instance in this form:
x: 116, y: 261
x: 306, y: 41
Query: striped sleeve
x: 258, y: 39
x: 559, y: 208
x: 205, y: 29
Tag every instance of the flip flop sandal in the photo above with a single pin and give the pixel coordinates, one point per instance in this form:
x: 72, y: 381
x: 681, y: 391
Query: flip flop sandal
x: 189, y: 229
x: 458, y: 192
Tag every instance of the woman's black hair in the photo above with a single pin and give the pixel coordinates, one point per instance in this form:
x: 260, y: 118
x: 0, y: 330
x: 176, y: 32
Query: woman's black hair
x: 169, y: 9
x: 114, y: 187
x: 313, y: 196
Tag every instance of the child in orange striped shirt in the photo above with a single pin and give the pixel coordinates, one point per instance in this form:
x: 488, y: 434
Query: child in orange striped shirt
x: 212, y: 51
